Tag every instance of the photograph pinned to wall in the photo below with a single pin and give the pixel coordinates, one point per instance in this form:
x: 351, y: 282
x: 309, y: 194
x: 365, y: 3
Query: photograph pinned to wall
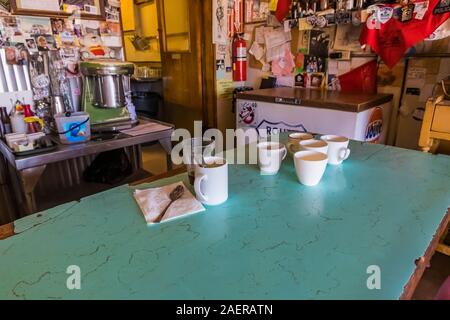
x: 223, y: 62
x: 60, y: 25
x: 256, y: 11
x: 31, y: 45
x: 347, y: 38
x: 112, y: 10
x: 314, y: 64
x: 84, y: 6
x: 315, y: 80
x: 301, y: 80
x: 70, y: 56
x: 45, y: 42
x: 23, y: 53
x: 319, y: 42
x: 12, y: 55
x: 10, y: 26
x: 110, y: 28
x: 35, y: 25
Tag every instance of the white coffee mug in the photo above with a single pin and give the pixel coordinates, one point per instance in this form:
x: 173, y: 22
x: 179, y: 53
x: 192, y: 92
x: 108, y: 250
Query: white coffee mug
x: 314, y: 145
x: 296, y: 137
x: 310, y: 166
x: 211, y: 181
x: 270, y: 156
x: 338, y: 150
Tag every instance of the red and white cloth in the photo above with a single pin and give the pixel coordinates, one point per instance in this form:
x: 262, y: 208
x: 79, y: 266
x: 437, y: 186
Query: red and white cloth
x: 393, y: 38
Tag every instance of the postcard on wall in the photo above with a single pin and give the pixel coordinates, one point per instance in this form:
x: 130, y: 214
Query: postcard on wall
x: 10, y: 27
x: 35, y: 25
x: 110, y: 28
x: 220, y: 22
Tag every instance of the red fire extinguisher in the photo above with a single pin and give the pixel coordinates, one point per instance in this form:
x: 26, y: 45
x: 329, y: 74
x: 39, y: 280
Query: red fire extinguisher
x: 239, y: 58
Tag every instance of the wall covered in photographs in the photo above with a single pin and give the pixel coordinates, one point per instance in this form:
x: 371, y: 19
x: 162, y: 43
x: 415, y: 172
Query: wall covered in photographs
x: 75, y: 38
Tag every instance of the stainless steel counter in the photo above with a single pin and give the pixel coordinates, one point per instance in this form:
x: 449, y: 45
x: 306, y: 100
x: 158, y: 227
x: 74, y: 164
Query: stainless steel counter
x: 24, y: 173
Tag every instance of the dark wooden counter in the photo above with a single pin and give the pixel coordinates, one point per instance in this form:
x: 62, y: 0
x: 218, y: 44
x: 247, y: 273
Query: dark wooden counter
x: 352, y: 102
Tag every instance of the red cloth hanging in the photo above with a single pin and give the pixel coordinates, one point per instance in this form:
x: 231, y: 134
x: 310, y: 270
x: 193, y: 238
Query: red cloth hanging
x: 283, y: 7
x: 394, y: 37
x: 362, y: 79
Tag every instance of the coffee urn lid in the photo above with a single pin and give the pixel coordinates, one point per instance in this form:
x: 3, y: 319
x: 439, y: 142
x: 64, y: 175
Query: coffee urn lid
x: 106, y: 67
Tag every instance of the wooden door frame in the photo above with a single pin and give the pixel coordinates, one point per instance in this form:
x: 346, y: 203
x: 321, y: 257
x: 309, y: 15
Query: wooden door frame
x: 208, y: 58
x: 208, y: 68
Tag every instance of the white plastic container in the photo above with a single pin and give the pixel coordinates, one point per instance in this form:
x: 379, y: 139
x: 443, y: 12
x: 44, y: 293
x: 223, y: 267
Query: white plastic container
x: 18, y: 123
x: 73, y: 129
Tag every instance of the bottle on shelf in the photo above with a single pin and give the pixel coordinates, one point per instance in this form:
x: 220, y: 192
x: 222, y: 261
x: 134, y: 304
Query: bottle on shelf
x: 32, y: 126
x: 6, y: 121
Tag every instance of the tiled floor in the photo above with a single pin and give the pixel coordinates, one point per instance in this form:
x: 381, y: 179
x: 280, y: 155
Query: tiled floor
x: 154, y: 161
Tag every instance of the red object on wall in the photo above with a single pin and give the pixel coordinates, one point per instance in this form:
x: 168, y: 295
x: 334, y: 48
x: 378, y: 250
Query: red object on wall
x: 235, y: 18
x: 394, y: 37
x: 283, y: 7
x: 239, y: 58
x: 362, y: 79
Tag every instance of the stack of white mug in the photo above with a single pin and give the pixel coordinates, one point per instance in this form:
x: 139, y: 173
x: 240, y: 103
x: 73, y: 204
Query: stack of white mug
x: 311, y: 156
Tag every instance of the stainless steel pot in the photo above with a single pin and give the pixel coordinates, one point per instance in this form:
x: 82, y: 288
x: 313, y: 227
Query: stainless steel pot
x: 110, y: 81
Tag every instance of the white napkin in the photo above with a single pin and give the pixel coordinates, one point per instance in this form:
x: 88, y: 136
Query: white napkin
x: 153, y: 201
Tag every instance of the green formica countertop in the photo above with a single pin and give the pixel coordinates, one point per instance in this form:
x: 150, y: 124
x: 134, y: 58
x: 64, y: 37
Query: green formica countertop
x: 273, y: 239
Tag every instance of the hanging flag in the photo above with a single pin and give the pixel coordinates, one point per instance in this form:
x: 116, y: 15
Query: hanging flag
x: 391, y: 38
x: 283, y: 8
x: 362, y: 79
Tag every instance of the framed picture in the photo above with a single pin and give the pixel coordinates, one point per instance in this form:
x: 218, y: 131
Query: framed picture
x: 89, y: 9
x: 256, y: 11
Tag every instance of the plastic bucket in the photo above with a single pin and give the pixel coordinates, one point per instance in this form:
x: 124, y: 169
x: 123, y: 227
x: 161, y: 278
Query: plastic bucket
x: 73, y: 129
